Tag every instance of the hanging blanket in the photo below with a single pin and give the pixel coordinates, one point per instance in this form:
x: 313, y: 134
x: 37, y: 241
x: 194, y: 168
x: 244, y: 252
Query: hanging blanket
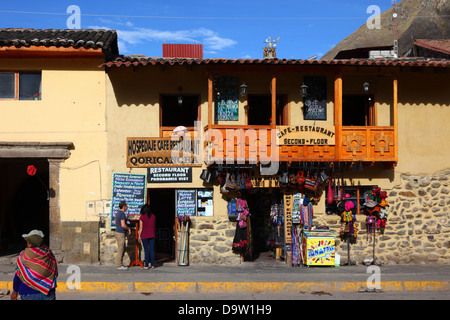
x: 37, y: 268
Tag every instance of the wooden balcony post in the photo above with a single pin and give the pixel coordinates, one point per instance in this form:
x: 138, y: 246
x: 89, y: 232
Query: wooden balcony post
x: 274, y: 102
x: 210, y: 100
x: 395, y: 114
x: 338, y: 114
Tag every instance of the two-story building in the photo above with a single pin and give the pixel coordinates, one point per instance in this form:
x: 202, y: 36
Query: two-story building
x: 53, y: 106
x: 365, y: 123
x: 91, y: 113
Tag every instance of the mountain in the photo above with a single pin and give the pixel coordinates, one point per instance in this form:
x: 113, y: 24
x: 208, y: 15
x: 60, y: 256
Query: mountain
x: 417, y: 19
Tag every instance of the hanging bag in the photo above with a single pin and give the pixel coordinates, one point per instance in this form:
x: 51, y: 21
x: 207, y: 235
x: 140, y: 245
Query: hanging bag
x: 301, y: 179
x: 231, y: 182
x: 205, y: 175
x: 248, y: 183
x: 330, y: 196
x: 310, y: 182
x: 283, y: 179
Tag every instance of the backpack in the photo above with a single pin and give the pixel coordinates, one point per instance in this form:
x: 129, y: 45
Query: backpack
x: 233, y: 212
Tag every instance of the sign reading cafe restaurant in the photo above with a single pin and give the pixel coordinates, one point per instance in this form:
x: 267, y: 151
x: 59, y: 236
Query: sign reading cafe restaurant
x: 156, y: 152
x: 306, y: 135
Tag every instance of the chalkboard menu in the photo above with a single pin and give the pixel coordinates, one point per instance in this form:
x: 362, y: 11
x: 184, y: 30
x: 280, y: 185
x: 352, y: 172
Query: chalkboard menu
x: 227, y: 99
x: 131, y: 188
x: 315, y: 102
x: 186, y: 202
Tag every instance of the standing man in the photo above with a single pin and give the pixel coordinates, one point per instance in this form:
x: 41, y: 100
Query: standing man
x: 121, y: 230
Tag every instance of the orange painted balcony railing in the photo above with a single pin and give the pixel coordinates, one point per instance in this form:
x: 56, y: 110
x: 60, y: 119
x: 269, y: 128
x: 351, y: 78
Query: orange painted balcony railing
x: 353, y: 144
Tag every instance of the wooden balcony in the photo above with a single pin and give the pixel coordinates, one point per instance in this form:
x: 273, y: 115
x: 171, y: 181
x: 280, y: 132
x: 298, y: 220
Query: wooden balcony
x: 259, y: 143
x: 350, y: 143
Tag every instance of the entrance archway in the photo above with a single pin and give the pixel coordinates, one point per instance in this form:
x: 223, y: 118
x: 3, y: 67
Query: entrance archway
x: 30, y: 201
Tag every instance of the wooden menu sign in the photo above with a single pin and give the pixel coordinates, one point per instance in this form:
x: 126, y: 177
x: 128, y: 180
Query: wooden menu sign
x: 131, y: 188
x: 288, y: 206
x: 186, y: 202
x: 162, y: 152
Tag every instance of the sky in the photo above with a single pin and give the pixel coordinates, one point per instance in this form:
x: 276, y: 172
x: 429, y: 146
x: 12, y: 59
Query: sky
x: 227, y: 29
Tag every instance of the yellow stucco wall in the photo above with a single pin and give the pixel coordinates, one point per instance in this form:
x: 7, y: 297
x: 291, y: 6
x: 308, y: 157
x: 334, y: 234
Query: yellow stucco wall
x: 133, y: 111
x: 72, y: 109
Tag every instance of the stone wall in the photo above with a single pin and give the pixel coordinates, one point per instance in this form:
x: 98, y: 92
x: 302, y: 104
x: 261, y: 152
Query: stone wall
x: 108, y: 247
x: 417, y: 230
x: 418, y: 226
x: 80, y: 243
x: 211, y: 241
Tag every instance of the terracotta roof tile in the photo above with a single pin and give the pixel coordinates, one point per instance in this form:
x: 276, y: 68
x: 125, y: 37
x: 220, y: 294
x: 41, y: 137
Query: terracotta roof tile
x: 143, y: 61
x: 89, y: 39
x: 440, y: 45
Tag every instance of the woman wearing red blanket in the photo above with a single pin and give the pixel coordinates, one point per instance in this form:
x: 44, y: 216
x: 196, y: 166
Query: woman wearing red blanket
x: 36, y: 270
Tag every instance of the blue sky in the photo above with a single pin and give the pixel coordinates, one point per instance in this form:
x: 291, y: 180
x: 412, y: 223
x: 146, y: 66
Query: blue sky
x: 227, y: 29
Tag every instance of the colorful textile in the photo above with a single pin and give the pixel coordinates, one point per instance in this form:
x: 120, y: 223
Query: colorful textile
x: 37, y: 268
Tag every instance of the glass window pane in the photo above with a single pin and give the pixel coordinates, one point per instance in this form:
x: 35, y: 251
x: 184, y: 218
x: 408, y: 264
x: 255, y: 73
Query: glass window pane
x: 7, y: 86
x: 30, y: 86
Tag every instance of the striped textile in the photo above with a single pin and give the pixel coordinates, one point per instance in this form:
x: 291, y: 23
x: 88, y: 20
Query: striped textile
x: 37, y: 268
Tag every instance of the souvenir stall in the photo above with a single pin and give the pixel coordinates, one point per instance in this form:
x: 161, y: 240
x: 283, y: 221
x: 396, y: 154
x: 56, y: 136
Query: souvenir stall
x: 276, y: 222
x: 349, y: 227
x: 242, y: 242
x: 292, y: 195
x: 310, y: 246
x: 375, y: 209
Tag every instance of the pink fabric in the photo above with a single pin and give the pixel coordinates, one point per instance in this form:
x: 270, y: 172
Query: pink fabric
x: 349, y: 205
x: 148, y: 228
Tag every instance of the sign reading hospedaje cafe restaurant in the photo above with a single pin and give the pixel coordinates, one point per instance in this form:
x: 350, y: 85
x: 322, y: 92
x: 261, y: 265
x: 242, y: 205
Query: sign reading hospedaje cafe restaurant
x: 157, y: 152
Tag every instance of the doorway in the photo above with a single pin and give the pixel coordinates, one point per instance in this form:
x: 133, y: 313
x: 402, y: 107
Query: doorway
x: 24, y: 201
x: 358, y: 110
x: 262, y: 202
x: 260, y: 109
x: 162, y: 202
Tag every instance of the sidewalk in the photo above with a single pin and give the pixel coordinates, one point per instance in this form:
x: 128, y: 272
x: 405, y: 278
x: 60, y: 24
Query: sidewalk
x: 273, y: 276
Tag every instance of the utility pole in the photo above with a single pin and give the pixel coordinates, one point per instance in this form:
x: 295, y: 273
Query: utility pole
x: 395, y: 26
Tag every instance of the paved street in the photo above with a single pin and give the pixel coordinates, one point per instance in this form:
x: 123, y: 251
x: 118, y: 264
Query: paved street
x: 319, y: 295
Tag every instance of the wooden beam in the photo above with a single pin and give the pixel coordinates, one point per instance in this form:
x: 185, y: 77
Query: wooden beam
x: 338, y: 114
x: 52, y: 52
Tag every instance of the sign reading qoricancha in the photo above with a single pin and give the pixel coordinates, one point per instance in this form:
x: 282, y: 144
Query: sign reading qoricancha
x: 305, y: 135
x: 162, y: 152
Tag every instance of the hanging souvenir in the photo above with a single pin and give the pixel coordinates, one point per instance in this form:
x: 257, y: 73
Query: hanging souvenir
x: 330, y: 197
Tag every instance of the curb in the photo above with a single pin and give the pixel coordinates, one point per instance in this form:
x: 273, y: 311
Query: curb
x: 241, y: 287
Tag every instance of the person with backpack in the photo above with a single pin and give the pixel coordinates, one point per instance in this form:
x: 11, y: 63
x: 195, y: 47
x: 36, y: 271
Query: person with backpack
x: 146, y: 234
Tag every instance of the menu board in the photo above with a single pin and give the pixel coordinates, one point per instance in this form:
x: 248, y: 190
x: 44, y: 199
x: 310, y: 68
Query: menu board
x: 227, y: 99
x: 131, y: 188
x: 316, y: 101
x: 186, y: 202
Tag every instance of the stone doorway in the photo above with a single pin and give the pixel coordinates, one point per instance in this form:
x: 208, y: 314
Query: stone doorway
x: 38, y: 193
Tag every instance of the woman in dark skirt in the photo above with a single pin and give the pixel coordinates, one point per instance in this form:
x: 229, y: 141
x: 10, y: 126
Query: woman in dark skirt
x: 242, y: 238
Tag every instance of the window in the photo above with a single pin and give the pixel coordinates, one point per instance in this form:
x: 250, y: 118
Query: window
x: 180, y: 110
x: 20, y: 85
x: 358, y: 110
x: 260, y: 109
